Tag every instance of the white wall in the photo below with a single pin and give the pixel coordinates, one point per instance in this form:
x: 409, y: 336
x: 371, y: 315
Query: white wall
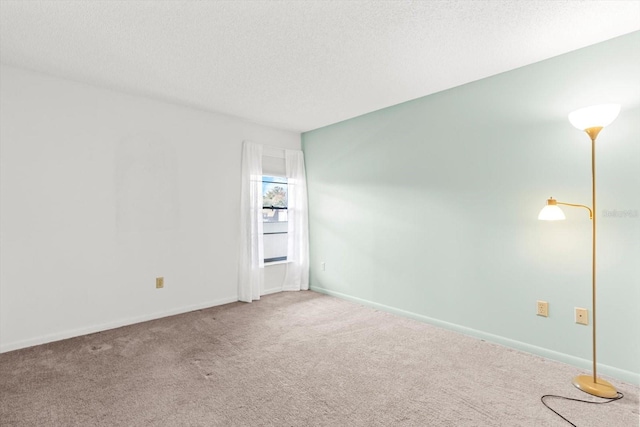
x: 101, y: 192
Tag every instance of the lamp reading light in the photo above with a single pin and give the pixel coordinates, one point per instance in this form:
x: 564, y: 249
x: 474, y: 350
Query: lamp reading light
x: 551, y: 212
x: 591, y: 120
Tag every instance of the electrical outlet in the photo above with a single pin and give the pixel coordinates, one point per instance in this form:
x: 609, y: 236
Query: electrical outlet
x: 323, y: 265
x: 542, y: 308
x: 582, y: 316
x: 159, y: 282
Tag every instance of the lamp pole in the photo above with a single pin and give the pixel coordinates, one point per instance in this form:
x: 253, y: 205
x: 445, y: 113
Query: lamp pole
x: 593, y: 136
x: 586, y: 383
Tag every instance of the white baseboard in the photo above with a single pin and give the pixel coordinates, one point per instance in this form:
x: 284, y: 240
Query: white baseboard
x: 628, y: 376
x: 110, y: 325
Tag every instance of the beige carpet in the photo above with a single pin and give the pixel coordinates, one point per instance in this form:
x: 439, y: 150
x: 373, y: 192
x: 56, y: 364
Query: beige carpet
x: 291, y: 359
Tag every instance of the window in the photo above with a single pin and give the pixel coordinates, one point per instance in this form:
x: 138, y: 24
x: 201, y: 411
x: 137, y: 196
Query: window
x: 274, y: 217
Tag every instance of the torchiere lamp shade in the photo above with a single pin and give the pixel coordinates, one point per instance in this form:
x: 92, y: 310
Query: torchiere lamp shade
x: 594, y: 116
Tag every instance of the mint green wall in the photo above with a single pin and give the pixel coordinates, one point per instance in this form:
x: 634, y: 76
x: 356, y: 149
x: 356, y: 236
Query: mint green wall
x: 428, y: 208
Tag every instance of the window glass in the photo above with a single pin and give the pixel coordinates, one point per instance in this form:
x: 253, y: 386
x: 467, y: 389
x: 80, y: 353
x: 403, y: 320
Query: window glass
x: 274, y: 192
x: 274, y: 217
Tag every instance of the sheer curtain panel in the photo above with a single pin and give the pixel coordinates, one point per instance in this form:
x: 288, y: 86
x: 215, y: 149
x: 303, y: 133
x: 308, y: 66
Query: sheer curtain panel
x: 251, y: 259
x: 297, y: 275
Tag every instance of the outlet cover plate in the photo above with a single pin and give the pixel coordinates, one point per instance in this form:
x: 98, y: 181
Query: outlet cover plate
x: 582, y: 316
x: 542, y: 308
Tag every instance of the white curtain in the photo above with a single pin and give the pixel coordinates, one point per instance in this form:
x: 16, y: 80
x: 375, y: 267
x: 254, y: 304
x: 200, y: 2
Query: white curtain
x: 251, y: 259
x: 297, y: 275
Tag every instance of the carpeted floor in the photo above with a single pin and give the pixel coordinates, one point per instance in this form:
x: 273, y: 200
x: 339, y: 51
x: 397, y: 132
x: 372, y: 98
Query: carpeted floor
x: 291, y: 359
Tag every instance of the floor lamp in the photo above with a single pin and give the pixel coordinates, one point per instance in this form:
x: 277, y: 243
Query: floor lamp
x: 591, y: 120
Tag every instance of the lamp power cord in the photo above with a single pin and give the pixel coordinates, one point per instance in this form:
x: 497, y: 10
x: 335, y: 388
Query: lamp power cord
x: 613, y: 399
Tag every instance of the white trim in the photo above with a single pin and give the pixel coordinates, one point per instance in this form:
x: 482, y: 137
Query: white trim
x: 111, y: 325
x: 267, y: 264
x: 628, y: 376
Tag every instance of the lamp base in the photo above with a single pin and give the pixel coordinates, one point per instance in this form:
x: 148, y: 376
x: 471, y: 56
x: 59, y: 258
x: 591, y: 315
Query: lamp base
x: 601, y: 388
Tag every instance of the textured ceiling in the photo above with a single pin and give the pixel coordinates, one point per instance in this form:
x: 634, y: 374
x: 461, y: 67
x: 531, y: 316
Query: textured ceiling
x: 297, y: 65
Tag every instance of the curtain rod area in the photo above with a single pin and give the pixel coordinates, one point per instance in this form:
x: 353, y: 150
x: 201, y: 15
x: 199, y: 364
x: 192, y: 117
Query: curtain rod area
x: 280, y: 149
